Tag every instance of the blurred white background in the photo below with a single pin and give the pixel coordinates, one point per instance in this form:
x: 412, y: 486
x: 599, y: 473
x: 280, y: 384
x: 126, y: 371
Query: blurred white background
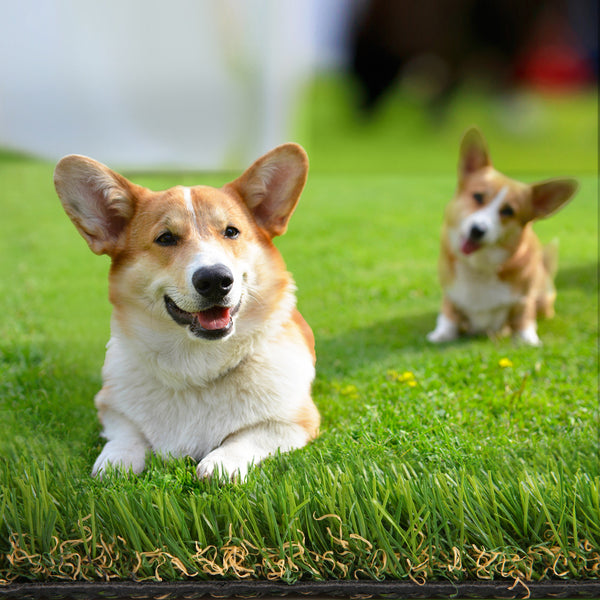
x: 200, y: 84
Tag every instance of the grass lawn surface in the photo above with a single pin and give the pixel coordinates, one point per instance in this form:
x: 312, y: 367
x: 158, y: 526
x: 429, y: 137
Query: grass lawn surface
x: 473, y: 460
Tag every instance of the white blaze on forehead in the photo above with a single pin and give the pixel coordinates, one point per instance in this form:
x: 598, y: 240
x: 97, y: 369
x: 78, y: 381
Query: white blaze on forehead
x: 500, y: 196
x: 487, y: 218
x: 489, y: 211
x: 187, y: 197
x: 210, y: 252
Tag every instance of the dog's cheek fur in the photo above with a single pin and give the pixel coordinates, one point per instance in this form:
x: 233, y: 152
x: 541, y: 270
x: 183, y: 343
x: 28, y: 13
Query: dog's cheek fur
x: 267, y: 281
x: 456, y: 211
x: 138, y: 280
x: 511, y: 235
x: 132, y: 287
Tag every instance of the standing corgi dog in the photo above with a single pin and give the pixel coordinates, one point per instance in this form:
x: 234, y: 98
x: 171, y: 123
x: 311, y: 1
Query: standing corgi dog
x: 493, y: 270
x: 208, y: 356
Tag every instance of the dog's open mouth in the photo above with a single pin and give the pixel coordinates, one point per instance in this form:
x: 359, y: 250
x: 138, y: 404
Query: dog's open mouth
x: 469, y: 246
x: 213, y: 323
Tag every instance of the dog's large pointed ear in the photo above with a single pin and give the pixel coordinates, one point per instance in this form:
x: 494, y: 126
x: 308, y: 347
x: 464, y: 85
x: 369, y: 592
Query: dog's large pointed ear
x: 99, y: 201
x: 551, y: 195
x: 474, y: 153
x: 271, y: 186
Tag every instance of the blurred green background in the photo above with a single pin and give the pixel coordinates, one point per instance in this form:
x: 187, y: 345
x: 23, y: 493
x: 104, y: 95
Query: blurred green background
x: 528, y: 131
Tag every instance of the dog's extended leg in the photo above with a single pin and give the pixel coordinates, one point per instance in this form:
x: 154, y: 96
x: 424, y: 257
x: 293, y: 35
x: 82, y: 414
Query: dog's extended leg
x: 523, y: 322
x: 126, y: 447
x: 249, y: 446
x: 446, y: 328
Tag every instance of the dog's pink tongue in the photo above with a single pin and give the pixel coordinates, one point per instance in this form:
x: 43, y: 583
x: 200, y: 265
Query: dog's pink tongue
x: 217, y: 317
x: 469, y: 246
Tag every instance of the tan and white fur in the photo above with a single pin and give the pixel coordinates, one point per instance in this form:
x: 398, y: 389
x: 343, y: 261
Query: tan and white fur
x: 493, y: 270
x: 208, y: 356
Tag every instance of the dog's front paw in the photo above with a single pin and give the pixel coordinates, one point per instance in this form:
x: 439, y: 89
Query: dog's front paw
x: 225, y: 463
x: 529, y: 336
x: 124, y: 457
x: 437, y: 337
x: 445, y: 330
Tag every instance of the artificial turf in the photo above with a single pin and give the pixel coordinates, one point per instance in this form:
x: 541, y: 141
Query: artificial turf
x: 473, y: 460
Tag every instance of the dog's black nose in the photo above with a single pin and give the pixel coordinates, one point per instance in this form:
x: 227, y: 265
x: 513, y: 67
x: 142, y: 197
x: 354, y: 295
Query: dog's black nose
x: 477, y: 232
x: 213, y: 282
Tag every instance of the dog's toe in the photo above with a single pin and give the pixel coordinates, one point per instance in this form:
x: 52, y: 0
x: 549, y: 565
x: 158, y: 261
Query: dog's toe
x: 529, y: 336
x: 438, y: 336
x: 434, y: 337
x: 445, y: 330
x: 223, y: 465
x: 123, y: 458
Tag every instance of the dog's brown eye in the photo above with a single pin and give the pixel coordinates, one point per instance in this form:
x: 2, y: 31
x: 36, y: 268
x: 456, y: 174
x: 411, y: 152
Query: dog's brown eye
x: 231, y: 232
x: 478, y: 197
x: 166, y: 239
x: 507, y: 211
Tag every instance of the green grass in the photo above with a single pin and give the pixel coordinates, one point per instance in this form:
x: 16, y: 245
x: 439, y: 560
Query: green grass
x: 463, y: 470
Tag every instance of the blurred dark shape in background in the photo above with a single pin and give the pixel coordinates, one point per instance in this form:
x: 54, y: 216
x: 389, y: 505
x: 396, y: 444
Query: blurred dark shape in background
x: 438, y: 45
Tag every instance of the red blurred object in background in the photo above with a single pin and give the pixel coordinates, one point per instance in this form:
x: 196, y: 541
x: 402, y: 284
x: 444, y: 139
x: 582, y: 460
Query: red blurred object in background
x: 555, y: 67
x: 553, y: 61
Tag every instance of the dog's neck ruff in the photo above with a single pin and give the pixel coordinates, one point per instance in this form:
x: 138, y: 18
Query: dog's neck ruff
x: 181, y: 361
x: 177, y: 360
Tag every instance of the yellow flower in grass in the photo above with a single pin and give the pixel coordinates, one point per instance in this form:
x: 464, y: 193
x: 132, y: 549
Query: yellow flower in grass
x: 505, y: 363
x: 351, y: 391
x: 407, y: 377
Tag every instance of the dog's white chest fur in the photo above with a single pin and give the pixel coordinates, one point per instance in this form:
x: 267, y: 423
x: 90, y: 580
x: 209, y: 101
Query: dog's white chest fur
x: 193, y: 418
x: 482, y: 297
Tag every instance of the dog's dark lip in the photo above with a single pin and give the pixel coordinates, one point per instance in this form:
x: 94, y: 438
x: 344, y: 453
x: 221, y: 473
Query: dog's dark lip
x: 184, y: 318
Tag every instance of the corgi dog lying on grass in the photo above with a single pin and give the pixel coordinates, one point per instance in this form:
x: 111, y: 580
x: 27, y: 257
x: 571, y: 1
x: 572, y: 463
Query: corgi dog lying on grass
x: 493, y: 270
x: 208, y: 356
